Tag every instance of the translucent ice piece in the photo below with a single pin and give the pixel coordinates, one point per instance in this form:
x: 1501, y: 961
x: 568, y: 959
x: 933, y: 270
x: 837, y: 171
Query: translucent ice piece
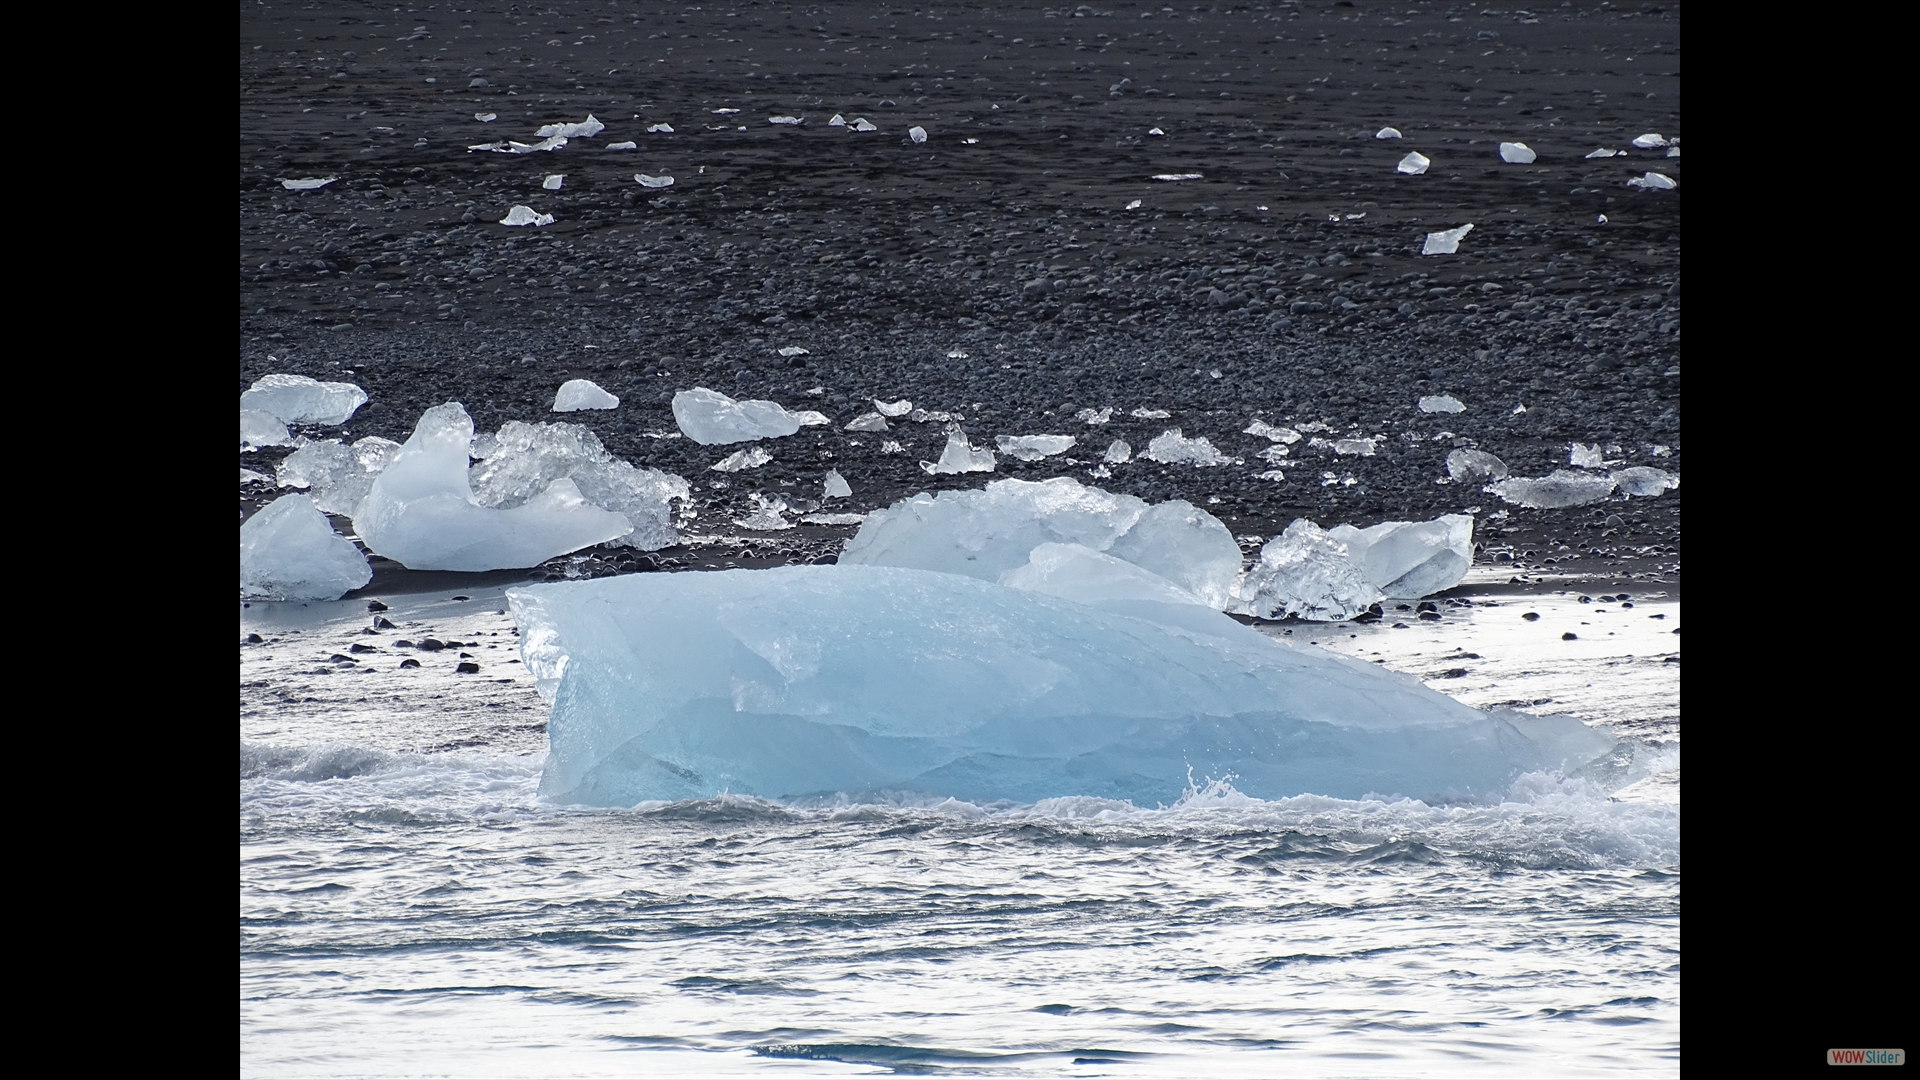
x: 988, y: 532
x: 1387, y: 133
x: 1185, y: 545
x: 862, y: 124
x: 1413, y: 164
x: 872, y: 421
x: 893, y: 408
x: 837, y: 121
x: 1145, y: 413
x: 837, y: 486
x: 1172, y: 448
x: 711, y: 418
x: 1475, y: 466
x: 1269, y: 431
x: 1441, y: 403
x: 1155, y: 131
x: 1094, y: 416
x: 1359, y: 447
x: 525, y: 459
x: 524, y: 215
x: 552, y: 183
x: 289, y: 551
x: 653, y: 181
x: 1446, y: 242
x: 1034, y: 447
x: 1554, y: 491
x: 486, y: 117
x: 1642, y: 480
x: 585, y: 129
x: 1118, y: 453
x: 833, y: 519
x: 260, y: 428
x: 1582, y: 456
x: 1653, y: 181
x: 577, y: 394
x: 1407, y: 560
x: 296, y: 399
x: 960, y: 457
x: 785, y: 121
x: 1178, y: 176
x: 308, y: 184
x: 769, y: 515
x: 751, y: 458
x: 791, y: 351
x: 1649, y: 141
x: 1515, y: 153
x: 1306, y: 574
x: 1605, y: 153
x: 917, y: 134
x: 660, y: 129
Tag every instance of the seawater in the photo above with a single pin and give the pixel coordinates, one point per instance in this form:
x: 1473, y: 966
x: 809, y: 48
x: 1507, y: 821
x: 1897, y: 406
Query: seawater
x: 426, y: 914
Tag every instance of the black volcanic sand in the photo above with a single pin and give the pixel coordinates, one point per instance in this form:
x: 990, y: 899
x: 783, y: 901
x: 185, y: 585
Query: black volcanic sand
x: 1219, y: 299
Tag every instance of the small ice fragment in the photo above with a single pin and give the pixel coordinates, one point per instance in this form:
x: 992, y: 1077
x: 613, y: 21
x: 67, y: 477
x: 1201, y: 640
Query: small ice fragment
x: 289, y: 551
x: 260, y: 428
x: 1653, y: 181
x: 769, y: 515
x: 1475, y: 466
x: 308, y: 184
x: 1582, y: 456
x: 628, y: 145
x: 1557, y: 490
x: 893, y: 408
x: 1268, y: 431
x: 1270, y: 474
x: 1642, y: 480
x: 1660, y: 451
x: 1601, y: 220
x: 1145, y: 413
x: 1604, y: 152
x: 957, y: 354
x: 1413, y: 164
x: 1134, y: 205
x: 1273, y: 455
x: 917, y: 134
x: 660, y: 129
x: 1407, y: 560
x: 809, y: 418
x: 1516, y: 153
x: 296, y: 399
x: 1360, y: 447
x: 785, y: 121
x: 792, y: 351
x: 552, y: 183
x: 751, y: 458
x: 1649, y: 141
x: 837, y: 486
x: 1673, y: 151
x: 861, y: 124
x: 710, y: 418
x: 872, y: 421
x: 1387, y: 133
x: 1306, y: 574
x: 1155, y: 131
x: 1094, y: 416
x: 578, y: 394
x: 924, y: 416
x: 960, y: 456
x: 837, y: 121
x: 1441, y: 403
x: 1517, y: 410
x: 1178, y: 176
x: 653, y: 181
x: 725, y: 112
x: 891, y: 447
x: 1445, y: 243
x: 486, y: 117
x: 524, y: 215
x: 1172, y: 448
x: 1118, y: 453
x: 1034, y: 447
x: 585, y: 129
x: 834, y: 519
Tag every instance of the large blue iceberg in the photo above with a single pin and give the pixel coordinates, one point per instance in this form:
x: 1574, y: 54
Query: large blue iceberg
x: 811, y: 682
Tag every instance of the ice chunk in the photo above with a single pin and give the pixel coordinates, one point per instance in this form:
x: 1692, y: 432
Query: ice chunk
x: 988, y: 532
x: 872, y: 421
x: 1653, y: 181
x: 260, y: 428
x: 785, y: 121
x: 1034, y: 447
x: 585, y: 129
x: 1085, y: 576
x: 628, y: 145
x: 1649, y: 141
x: 769, y: 515
x: 816, y: 681
x: 1414, y: 164
x: 1094, y: 416
x: 1673, y: 151
x: 917, y: 134
x: 893, y: 408
x: 1516, y: 153
x: 1145, y: 413
x: 525, y: 459
x: 1586, y: 457
x: 1118, y: 453
x: 1185, y: 545
x: 337, y: 476
x: 1360, y: 447
x: 1155, y: 131
x: 653, y: 181
x: 524, y: 215
x: 1178, y: 176
x: 1274, y: 455
x: 1557, y: 490
x: 578, y: 394
x: 837, y: 121
x: 1305, y: 573
x: 1604, y: 153
x: 751, y: 458
x: 309, y: 184
x: 486, y: 117
x: 1387, y: 133
x: 833, y: 519
x: 1172, y: 448
x: 660, y: 129
x: 1407, y: 560
x: 862, y: 124
x: 1446, y: 242
x: 508, y: 146
x: 837, y: 486
x: 927, y: 416
x: 1475, y: 466
x: 1269, y: 431
x: 422, y: 514
x: 1441, y: 403
x: 1642, y: 480
x: 891, y: 447
x: 1271, y: 474
x: 809, y: 418
x: 711, y: 418
x: 791, y: 351
x: 552, y: 183
x: 289, y: 551
x: 960, y: 456
x: 296, y: 399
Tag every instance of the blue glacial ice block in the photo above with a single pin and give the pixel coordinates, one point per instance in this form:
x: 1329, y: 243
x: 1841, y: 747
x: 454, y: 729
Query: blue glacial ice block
x: 811, y: 681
